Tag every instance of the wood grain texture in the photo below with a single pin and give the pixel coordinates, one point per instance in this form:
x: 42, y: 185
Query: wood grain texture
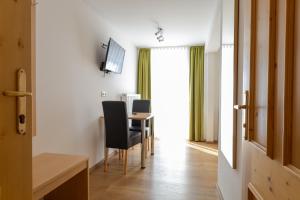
x: 15, y: 53
x: 295, y: 151
x: 33, y: 66
x: 279, y: 77
x: 251, y: 67
x: 261, y: 71
x: 288, y: 80
x: 137, y: 116
x: 52, y: 170
x: 262, y: 74
x: 271, y: 180
x: 140, y: 116
x: 175, y: 172
x: 75, y: 188
x: 253, y: 193
x: 235, y: 85
x: 271, y: 79
x: 291, y: 142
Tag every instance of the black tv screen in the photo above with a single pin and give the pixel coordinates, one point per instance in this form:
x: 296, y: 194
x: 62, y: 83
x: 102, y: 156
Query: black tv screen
x: 114, y: 57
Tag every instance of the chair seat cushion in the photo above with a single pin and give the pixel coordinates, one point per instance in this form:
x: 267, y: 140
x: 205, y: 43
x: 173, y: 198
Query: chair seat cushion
x: 139, y: 129
x: 135, y: 137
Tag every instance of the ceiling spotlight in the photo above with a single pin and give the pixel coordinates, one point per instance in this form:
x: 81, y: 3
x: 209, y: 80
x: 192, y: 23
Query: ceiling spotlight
x: 160, y: 37
x: 159, y: 31
x: 159, y: 34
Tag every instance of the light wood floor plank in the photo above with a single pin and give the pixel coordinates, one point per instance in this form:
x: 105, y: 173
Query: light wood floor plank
x: 175, y: 172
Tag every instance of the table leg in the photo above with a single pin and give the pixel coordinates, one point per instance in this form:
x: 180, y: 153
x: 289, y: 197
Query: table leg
x: 143, y: 145
x: 146, y: 149
x: 152, y: 136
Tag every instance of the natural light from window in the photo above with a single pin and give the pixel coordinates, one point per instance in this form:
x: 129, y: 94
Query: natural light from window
x: 170, y: 93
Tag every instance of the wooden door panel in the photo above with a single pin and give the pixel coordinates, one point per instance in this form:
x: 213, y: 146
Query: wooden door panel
x: 261, y: 71
x: 271, y: 180
x: 15, y: 53
x: 279, y: 77
x: 273, y: 177
x: 262, y: 74
x: 295, y: 157
x: 292, y: 90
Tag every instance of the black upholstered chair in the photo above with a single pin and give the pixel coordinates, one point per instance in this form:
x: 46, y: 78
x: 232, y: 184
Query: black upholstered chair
x: 141, y: 106
x: 117, y: 132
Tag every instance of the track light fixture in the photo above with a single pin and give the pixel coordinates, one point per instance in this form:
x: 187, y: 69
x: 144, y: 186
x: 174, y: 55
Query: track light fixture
x: 159, y: 34
x: 159, y: 31
x: 161, y: 38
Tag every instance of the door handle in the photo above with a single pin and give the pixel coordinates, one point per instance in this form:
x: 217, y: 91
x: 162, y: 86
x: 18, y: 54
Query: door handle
x: 21, y: 95
x: 240, y: 107
x: 16, y: 94
x: 246, y: 108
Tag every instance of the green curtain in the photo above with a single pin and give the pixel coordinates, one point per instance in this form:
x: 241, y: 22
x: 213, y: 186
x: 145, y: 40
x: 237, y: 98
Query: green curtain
x: 196, y: 92
x: 144, y: 73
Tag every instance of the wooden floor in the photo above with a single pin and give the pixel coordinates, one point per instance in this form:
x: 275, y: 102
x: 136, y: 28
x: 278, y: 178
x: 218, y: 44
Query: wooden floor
x: 175, y: 172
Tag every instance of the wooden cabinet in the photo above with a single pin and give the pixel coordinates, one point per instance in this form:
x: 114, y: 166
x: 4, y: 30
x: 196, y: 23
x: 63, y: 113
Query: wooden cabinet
x: 60, y: 177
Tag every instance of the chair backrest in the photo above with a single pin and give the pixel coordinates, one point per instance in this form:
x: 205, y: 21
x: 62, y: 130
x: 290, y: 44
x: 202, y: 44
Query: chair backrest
x: 116, y: 124
x: 141, y: 106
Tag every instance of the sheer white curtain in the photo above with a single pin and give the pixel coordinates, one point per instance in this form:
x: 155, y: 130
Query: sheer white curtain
x: 170, y: 92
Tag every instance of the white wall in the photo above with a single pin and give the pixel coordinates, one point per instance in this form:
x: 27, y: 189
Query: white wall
x: 213, y: 42
x: 230, y: 181
x: 69, y: 36
x: 212, y: 95
x: 212, y: 79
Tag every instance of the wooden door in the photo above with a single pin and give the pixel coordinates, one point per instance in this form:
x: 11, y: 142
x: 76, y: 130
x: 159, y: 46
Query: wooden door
x: 272, y: 77
x: 15, y: 141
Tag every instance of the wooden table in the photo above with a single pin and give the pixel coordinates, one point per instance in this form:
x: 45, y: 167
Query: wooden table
x: 60, y: 177
x: 143, y: 117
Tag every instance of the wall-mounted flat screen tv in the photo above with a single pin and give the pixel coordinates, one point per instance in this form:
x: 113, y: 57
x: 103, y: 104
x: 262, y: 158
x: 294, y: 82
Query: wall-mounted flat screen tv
x: 114, y: 57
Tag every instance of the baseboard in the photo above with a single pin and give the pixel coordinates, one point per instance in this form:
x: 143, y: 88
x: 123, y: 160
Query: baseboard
x: 101, y: 162
x: 212, y: 142
x: 205, y: 141
x: 219, y: 192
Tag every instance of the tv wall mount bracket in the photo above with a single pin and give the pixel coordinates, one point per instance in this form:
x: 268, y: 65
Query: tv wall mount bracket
x: 104, y: 46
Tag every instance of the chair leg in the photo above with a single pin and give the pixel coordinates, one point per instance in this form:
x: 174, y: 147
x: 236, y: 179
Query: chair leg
x: 119, y: 154
x: 125, y: 162
x: 105, y: 159
x: 146, y: 142
x: 148, y: 145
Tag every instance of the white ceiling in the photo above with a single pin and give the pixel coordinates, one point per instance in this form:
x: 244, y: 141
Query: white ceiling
x: 185, y: 22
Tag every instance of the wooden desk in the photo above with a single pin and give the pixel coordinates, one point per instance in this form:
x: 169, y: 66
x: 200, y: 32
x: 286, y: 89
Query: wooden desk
x: 143, y: 117
x: 60, y: 177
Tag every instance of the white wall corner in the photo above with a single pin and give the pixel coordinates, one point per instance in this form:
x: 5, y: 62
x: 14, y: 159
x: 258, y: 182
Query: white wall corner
x: 211, y: 95
x: 219, y: 192
x: 213, y: 42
